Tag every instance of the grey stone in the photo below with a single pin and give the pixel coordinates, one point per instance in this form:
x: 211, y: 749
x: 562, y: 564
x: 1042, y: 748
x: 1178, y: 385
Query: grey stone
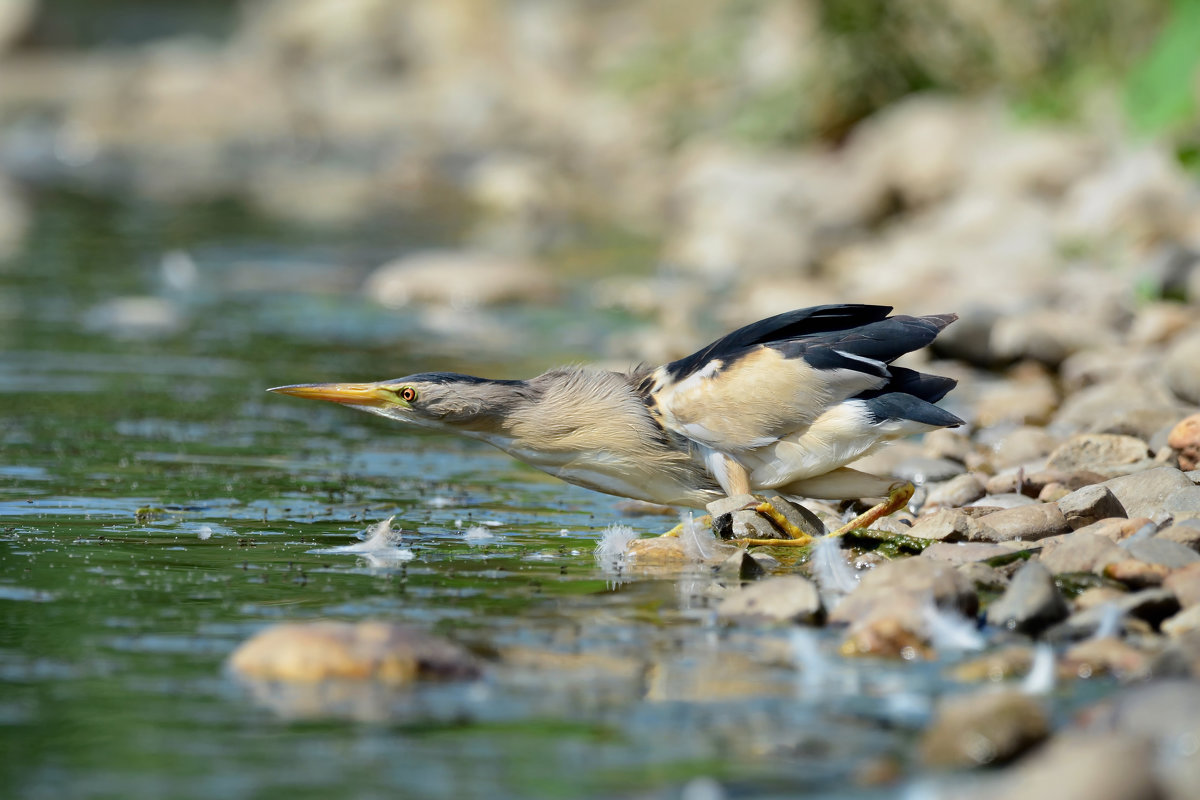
x: 1152, y: 606
x: 1184, y: 504
x: 1098, y: 452
x: 741, y: 566
x: 1183, y: 623
x: 798, y: 515
x: 1082, y: 551
x: 787, y: 598
x: 1006, y: 500
x: 1030, y: 523
x: 1144, y: 494
x: 1162, y: 551
x: 1090, y: 504
x: 1021, y: 445
x: 946, y: 443
x: 983, y: 728
x: 746, y: 524
x: 1185, y: 585
x: 727, y: 505
x: 947, y: 525
x: 1186, y: 533
x: 980, y: 574
x: 967, y: 552
x: 1031, y: 602
x: 919, y: 579
x: 956, y: 492
x: 1181, y: 368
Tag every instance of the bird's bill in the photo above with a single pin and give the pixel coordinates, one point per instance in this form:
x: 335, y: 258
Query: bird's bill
x: 371, y: 395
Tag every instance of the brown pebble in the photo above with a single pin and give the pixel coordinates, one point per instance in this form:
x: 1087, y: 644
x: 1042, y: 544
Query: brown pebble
x: 1185, y: 439
x: 1136, y: 574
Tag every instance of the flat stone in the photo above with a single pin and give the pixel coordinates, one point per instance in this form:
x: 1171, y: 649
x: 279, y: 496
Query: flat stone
x: 1098, y: 452
x: 1184, y: 438
x: 1029, y: 523
x: 1136, y: 574
x: 982, y: 575
x: 956, y: 492
x: 1185, y: 585
x: 946, y: 443
x: 1075, y: 766
x: 1082, y: 551
x: 947, y: 525
x: 1163, y: 551
x: 968, y: 552
x: 309, y: 652
x: 1022, y: 445
x: 983, y: 728
x: 1090, y: 504
x: 1184, y: 504
x: 1031, y: 602
x: 1002, y: 501
x: 787, y: 598
x: 1107, y: 655
x: 746, y: 524
x: 1117, y: 529
x: 1144, y: 494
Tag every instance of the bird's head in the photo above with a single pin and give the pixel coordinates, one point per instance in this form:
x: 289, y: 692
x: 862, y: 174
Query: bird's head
x: 440, y: 400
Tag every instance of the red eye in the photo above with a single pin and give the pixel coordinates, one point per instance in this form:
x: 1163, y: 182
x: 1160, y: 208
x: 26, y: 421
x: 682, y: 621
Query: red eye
x: 408, y: 394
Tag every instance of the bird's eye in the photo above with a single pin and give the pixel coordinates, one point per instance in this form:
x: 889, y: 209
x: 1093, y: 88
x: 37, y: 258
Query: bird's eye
x: 408, y: 394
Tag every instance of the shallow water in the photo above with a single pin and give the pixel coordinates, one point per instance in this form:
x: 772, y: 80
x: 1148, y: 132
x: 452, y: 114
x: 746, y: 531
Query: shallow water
x: 157, y: 507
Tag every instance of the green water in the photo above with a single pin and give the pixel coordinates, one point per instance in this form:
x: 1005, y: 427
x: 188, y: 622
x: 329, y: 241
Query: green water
x: 157, y: 507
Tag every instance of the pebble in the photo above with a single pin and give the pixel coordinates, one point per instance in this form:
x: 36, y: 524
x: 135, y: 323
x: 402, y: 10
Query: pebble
x: 1184, y: 583
x: 968, y: 552
x: 1184, y: 504
x: 1186, y: 533
x: 1181, y: 368
x: 1097, y: 452
x: 378, y: 651
x: 1107, y: 655
x: 1136, y: 574
x: 1182, y: 623
x: 954, y: 493
x: 950, y: 525
x: 1184, y: 438
x: 461, y: 280
x: 1031, y: 603
x: 923, y: 469
x: 1079, y: 766
x: 1022, y: 445
x: 1028, y: 523
x: 787, y: 598
x: 1156, y: 550
x: 1082, y: 551
x: 983, y: 729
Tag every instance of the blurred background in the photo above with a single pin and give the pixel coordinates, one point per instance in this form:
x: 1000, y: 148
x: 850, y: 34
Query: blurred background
x: 384, y: 165
x: 201, y: 199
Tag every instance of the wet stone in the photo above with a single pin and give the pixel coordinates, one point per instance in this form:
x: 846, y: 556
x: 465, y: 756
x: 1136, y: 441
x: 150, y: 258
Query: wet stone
x: 1107, y: 655
x: 1029, y: 523
x: 947, y: 525
x: 1089, y: 504
x: 376, y: 651
x: 1031, y: 603
x: 787, y: 598
x: 917, y: 578
x: 1092, y: 766
x: 1136, y: 574
x: 1150, y: 606
x: 968, y: 552
x: 1007, y: 662
x: 983, y: 728
x: 1098, y: 452
x: 741, y: 566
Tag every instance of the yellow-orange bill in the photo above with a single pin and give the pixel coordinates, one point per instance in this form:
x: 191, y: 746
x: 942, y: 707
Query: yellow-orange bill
x: 354, y: 394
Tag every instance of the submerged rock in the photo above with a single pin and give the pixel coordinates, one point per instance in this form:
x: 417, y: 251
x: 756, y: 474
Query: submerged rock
x: 788, y: 598
x: 1031, y: 602
x: 984, y: 728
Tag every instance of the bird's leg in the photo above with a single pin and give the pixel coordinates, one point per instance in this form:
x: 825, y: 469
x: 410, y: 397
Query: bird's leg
x: 898, y: 497
x: 798, y: 537
x: 678, y: 529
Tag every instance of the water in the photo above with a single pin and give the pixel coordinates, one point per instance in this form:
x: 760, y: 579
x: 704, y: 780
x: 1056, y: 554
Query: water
x: 157, y: 507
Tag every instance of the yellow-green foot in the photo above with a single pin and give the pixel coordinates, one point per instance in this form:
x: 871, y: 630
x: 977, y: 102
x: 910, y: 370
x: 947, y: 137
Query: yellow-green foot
x: 678, y: 529
x: 897, y: 498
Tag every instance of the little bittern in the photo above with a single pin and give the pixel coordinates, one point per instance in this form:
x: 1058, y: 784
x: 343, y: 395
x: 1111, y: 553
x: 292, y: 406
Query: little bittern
x: 782, y: 404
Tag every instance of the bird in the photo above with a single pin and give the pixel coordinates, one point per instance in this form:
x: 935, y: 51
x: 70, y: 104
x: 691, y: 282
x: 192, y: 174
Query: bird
x: 783, y: 405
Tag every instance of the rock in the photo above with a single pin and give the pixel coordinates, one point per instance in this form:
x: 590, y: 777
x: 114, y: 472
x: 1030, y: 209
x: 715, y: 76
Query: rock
x: 916, y: 578
x: 947, y: 443
x: 1186, y: 533
x: 954, y: 493
x: 1090, y: 504
x: 15, y: 18
x: 1077, y: 766
x: 377, y: 651
x: 1182, y: 623
x: 1136, y: 574
x: 947, y: 525
x: 727, y: 505
x: 735, y: 518
x: 745, y: 524
x: 787, y: 598
x: 741, y: 566
x: 1181, y: 367
x: 1184, y: 504
x: 1162, y: 551
x: 1117, y: 529
x: 968, y: 552
x: 1028, y: 397
x: 1144, y: 494
x: 982, y: 576
x: 983, y: 728
x: 459, y: 279
x: 1032, y: 484
x: 1185, y: 585
x: 1028, y: 523
x: 923, y: 469
x: 1097, y: 452
x: 1082, y: 551
x: 1151, y: 606
x: 658, y: 551
x: 1022, y: 445
x: 1031, y: 602
x: 1184, y: 438
x: 1107, y: 655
